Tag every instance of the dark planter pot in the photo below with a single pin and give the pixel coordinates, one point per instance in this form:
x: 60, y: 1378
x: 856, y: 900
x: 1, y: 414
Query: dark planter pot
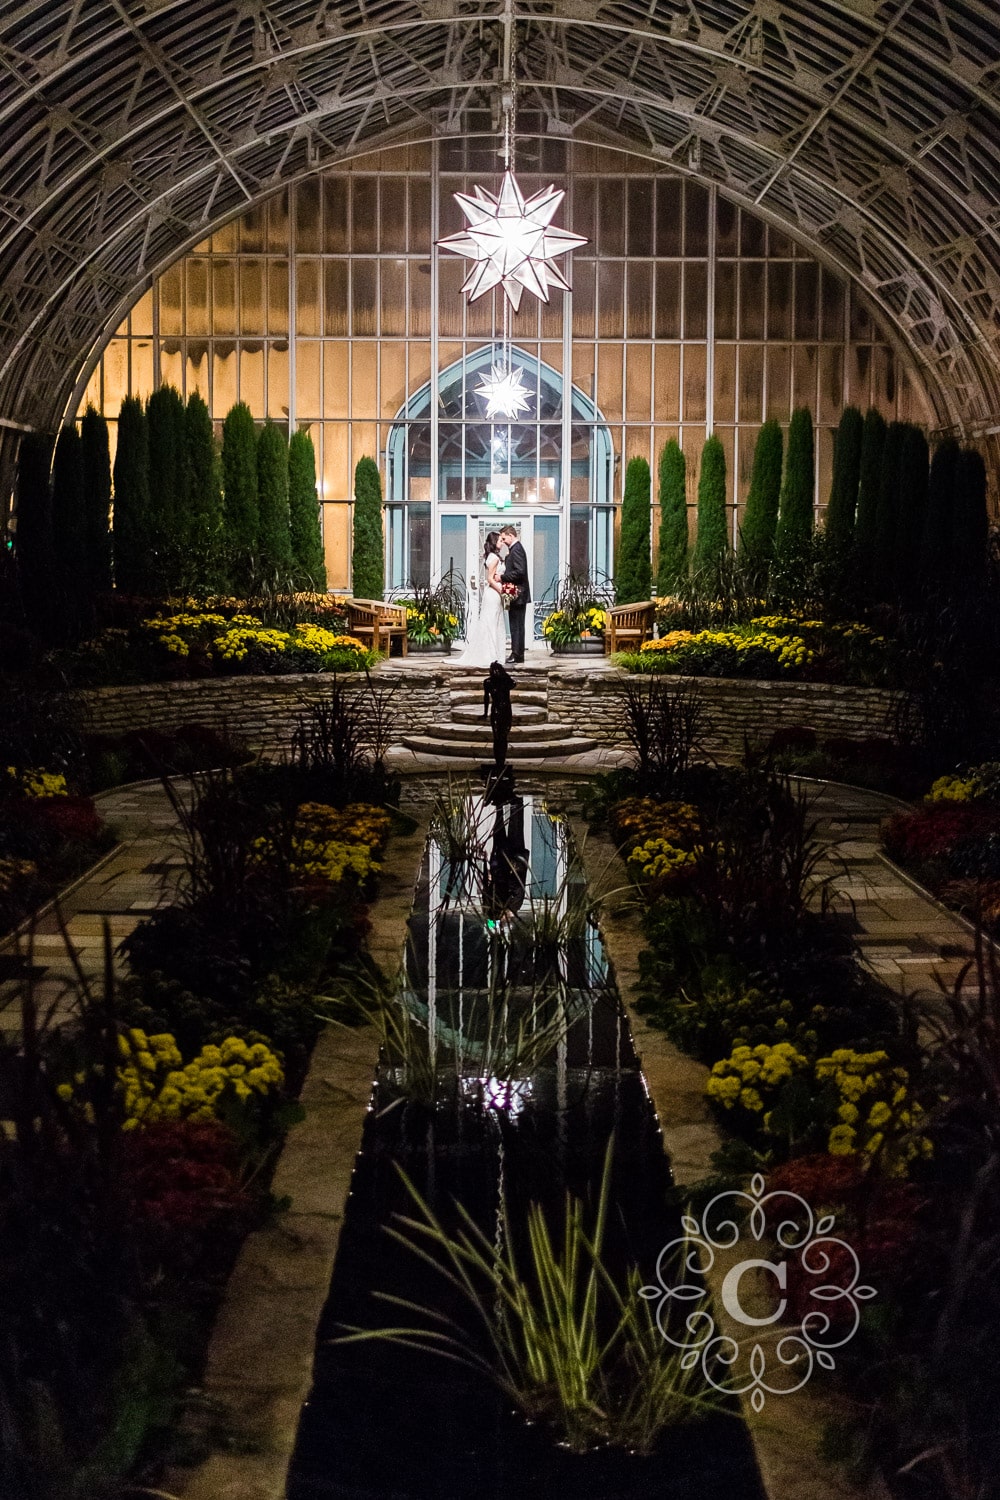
x: 440, y: 648
x: 593, y: 647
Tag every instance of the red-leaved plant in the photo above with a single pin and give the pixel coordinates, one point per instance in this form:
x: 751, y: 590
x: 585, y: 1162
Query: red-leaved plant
x: 877, y: 1217
x: 183, y: 1175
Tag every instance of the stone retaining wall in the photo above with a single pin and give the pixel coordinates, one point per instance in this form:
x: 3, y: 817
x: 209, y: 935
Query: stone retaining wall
x: 261, y: 711
x: 734, y: 708
x: 258, y: 711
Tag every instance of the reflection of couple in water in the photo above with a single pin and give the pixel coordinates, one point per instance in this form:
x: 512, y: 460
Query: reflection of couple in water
x: 507, y: 868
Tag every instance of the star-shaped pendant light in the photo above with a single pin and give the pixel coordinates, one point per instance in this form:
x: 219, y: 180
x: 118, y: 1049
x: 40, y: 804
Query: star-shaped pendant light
x: 511, y: 241
x: 504, y: 393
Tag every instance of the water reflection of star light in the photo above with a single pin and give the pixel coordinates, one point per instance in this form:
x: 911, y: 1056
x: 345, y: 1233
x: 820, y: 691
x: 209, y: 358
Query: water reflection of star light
x: 504, y: 392
x: 508, y: 1096
x: 511, y: 241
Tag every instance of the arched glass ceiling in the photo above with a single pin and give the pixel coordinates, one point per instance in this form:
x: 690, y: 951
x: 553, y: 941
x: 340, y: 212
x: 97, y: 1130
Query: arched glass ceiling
x: 130, y: 128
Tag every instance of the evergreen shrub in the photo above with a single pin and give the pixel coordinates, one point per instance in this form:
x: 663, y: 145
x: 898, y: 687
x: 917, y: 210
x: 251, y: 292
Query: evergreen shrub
x: 204, y: 497
x: 274, y: 544
x: 241, y: 511
x: 167, y: 487
x: 96, y: 458
x: 760, y: 518
x: 846, y: 476
x: 633, y: 570
x: 942, y: 488
x: 33, y: 540
x: 795, y: 508
x: 368, y: 560
x: 713, y: 532
x: 888, y: 514
x: 672, y: 564
x: 303, y: 514
x: 132, y: 539
x: 69, y: 530
x: 872, y: 443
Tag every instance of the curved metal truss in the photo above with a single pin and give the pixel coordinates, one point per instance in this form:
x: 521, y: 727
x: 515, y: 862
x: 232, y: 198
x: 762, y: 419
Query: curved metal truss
x: 131, y: 128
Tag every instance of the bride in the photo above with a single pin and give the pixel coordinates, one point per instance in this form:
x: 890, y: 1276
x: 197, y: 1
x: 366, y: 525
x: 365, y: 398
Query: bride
x: 487, y: 639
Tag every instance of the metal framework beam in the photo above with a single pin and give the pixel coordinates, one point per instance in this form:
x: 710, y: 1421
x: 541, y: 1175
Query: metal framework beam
x: 130, y: 128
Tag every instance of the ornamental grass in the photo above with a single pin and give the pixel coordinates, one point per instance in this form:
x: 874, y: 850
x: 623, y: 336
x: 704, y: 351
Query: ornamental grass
x: 553, y: 1329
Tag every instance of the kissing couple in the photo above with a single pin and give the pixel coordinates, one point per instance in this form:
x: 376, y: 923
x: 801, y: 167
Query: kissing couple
x: 505, y: 564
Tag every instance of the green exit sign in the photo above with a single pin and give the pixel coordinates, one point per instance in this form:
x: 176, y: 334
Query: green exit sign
x: 499, y: 494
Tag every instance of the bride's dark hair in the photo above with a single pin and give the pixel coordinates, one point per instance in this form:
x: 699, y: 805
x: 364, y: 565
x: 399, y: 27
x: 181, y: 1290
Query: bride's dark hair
x: 492, y: 543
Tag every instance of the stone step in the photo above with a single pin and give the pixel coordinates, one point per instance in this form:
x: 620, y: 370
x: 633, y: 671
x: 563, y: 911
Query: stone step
x: 519, y: 732
x: 528, y: 698
x: 476, y: 750
x: 472, y: 713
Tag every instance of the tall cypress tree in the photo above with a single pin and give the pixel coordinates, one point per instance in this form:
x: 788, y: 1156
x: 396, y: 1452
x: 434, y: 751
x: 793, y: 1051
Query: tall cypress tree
x: 303, y: 514
x: 167, y: 496
x: 368, y: 560
x: 96, y: 453
x: 795, y: 507
x: 204, y: 497
x: 942, y: 487
x: 970, y: 529
x: 69, y: 531
x: 885, y: 557
x: 846, y: 475
x: 132, y: 539
x: 872, y: 443
x: 913, y: 479
x: 33, y: 540
x: 712, y: 542
x: 239, y: 491
x: 672, y: 564
x: 633, y: 570
x: 274, y: 545
x: 760, y: 519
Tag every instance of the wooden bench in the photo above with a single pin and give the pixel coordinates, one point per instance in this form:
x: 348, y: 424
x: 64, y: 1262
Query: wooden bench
x: 628, y: 626
x: 377, y: 624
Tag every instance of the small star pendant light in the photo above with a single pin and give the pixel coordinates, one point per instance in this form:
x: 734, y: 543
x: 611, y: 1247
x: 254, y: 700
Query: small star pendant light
x: 504, y: 392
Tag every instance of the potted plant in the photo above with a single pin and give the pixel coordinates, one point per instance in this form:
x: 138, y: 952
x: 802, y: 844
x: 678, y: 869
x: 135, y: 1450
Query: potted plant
x: 431, y: 623
x: 576, y: 626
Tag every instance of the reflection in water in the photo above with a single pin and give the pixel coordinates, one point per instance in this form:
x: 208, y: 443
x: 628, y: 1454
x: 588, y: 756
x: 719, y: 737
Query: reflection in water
x: 510, y: 1012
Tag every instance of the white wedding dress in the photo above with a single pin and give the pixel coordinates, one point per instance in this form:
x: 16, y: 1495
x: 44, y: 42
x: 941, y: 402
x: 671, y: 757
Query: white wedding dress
x: 487, y: 638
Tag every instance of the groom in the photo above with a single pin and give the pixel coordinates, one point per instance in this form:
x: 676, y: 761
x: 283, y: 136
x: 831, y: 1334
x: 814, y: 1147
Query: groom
x: 516, y: 571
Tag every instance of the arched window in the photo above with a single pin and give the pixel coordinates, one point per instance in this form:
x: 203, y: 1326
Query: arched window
x: 471, y: 448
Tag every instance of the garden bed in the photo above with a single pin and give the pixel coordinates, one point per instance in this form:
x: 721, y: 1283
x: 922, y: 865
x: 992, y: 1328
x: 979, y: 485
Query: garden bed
x: 951, y: 843
x: 48, y: 837
x: 181, y: 643
x: 819, y: 1081
x: 157, y: 1104
x: 775, y: 647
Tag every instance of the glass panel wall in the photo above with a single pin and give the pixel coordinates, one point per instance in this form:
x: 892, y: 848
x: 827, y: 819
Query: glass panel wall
x: 316, y: 308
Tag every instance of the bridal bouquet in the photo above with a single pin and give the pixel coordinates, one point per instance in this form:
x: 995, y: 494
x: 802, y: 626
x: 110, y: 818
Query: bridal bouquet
x: 508, y: 593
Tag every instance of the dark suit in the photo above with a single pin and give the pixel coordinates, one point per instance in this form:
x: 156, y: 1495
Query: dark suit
x: 516, y: 571
x: 507, y: 872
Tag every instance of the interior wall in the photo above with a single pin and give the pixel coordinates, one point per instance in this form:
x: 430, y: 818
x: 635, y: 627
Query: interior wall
x: 688, y: 315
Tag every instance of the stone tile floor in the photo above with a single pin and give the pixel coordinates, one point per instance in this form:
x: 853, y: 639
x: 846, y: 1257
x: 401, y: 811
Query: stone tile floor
x: 912, y: 943
x: 908, y: 939
x: 132, y: 880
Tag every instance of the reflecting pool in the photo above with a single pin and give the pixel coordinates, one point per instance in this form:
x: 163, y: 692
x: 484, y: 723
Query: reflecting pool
x: 508, y: 1068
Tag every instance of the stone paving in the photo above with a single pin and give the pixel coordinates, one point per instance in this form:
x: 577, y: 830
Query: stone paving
x: 131, y: 881
x: 908, y: 940
x: 911, y: 942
